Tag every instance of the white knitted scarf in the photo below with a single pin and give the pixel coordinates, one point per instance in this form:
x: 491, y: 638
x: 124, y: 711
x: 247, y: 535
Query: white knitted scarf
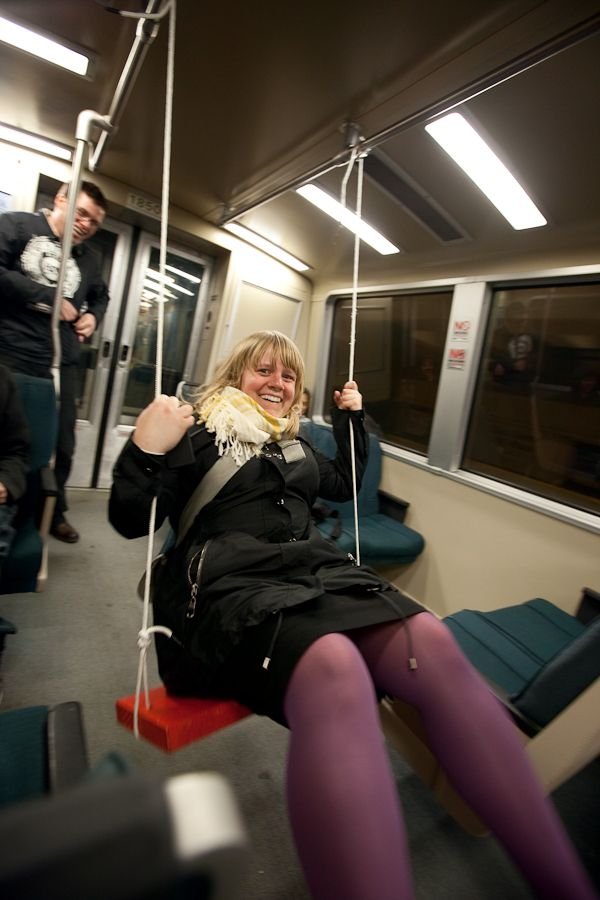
x: 240, y: 425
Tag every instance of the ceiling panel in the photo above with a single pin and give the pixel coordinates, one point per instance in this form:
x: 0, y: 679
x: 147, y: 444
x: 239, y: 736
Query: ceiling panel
x: 261, y: 99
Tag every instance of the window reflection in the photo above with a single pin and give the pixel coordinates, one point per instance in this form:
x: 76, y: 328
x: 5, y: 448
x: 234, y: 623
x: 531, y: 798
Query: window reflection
x: 399, y: 349
x: 536, y: 414
x: 179, y: 297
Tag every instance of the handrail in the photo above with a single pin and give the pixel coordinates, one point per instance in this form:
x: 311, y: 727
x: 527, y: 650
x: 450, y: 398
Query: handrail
x: 146, y: 31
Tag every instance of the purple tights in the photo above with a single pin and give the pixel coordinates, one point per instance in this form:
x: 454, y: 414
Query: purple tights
x: 342, y: 797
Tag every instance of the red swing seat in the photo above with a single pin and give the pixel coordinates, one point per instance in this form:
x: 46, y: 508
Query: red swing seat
x: 172, y: 722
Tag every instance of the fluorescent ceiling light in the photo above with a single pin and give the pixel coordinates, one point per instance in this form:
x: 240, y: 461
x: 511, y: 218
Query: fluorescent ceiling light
x: 193, y: 278
x: 328, y: 204
x: 182, y: 290
x: 152, y: 275
x: 168, y: 282
x: 469, y: 150
x: 151, y: 287
x: 43, y: 47
x: 33, y: 142
x: 166, y: 279
x: 263, y: 244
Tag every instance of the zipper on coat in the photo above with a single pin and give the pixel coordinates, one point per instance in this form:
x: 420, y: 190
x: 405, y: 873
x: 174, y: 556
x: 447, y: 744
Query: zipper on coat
x: 195, y: 584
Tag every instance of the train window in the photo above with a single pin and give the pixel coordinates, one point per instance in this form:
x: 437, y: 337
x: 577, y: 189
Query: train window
x: 399, y: 349
x: 536, y: 415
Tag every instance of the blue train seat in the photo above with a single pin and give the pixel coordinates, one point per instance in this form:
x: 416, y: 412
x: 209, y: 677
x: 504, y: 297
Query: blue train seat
x: 537, y: 657
x: 24, y: 569
x: 383, y: 539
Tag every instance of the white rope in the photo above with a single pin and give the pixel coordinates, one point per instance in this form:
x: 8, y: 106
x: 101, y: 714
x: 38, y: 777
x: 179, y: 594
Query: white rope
x: 352, y: 343
x: 359, y: 190
x: 144, y: 635
x: 348, y: 172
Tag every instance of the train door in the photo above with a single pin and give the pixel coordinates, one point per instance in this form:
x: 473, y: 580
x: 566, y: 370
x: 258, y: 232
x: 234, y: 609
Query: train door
x: 117, y: 370
x: 117, y: 366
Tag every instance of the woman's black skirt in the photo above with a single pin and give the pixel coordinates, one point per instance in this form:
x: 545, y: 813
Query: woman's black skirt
x: 284, y: 637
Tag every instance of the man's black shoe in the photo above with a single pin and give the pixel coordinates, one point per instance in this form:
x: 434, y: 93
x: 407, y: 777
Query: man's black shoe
x: 64, y: 532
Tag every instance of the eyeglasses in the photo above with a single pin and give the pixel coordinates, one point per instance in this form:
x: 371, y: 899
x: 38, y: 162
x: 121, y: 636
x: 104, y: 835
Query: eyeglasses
x: 84, y: 216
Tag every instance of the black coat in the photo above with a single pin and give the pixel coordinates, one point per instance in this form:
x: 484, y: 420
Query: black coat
x: 14, y: 438
x: 252, y: 551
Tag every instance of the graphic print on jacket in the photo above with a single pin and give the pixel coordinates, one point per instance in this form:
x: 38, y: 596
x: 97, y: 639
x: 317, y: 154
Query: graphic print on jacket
x: 41, y: 260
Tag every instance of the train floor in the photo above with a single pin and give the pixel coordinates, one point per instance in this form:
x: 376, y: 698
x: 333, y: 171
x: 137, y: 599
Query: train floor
x: 77, y: 641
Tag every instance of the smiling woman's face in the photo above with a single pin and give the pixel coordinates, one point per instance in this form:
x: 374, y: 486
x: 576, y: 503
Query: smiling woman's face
x: 271, y: 385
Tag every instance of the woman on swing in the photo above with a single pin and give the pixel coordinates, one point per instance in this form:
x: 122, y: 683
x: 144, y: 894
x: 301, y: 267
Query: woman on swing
x: 266, y: 611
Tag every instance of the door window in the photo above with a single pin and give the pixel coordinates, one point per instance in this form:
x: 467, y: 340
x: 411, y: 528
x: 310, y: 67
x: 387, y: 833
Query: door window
x: 180, y: 297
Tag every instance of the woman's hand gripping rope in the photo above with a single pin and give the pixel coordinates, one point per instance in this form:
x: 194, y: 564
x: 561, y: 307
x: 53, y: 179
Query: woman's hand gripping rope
x: 162, y: 424
x: 349, y: 397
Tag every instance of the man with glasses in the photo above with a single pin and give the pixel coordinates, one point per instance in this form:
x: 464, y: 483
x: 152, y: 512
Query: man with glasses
x: 30, y: 257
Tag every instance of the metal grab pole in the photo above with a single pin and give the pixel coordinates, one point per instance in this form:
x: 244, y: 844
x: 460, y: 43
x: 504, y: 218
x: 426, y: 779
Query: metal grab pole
x: 146, y: 31
x: 85, y: 122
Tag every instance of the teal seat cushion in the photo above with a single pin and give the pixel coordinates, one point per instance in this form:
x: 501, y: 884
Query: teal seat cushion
x: 322, y: 439
x: 510, y: 645
x: 562, y: 678
x: 20, y: 568
x: 383, y: 540
x: 23, y: 758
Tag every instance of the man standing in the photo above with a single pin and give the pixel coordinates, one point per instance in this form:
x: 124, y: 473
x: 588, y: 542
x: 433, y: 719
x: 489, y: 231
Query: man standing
x: 30, y: 257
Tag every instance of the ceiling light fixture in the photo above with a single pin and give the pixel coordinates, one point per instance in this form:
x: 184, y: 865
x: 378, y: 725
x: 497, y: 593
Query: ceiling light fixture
x: 328, y: 204
x: 467, y: 148
x: 34, y: 142
x: 263, y: 244
x: 43, y: 47
x: 153, y: 288
x: 166, y: 279
x: 193, y: 278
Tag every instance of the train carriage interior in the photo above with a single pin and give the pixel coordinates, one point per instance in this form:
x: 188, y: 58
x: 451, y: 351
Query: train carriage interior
x: 474, y: 334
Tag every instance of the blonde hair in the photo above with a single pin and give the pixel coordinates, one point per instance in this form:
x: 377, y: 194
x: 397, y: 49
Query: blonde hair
x: 248, y: 354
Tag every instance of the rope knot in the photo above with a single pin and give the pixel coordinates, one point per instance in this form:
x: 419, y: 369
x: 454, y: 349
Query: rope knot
x: 144, y: 638
x: 145, y: 635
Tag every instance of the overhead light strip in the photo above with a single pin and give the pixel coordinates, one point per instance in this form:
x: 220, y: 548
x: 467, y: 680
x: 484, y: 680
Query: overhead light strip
x: 34, y: 142
x: 329, y: 205
x: 193, y: 278
x: 267, y: 246
x: 43, y: 47
x: 468, y: 149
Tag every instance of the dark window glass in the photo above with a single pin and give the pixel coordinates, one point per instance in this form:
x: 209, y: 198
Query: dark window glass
x: 398, y: 354
x: 536, y: 416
